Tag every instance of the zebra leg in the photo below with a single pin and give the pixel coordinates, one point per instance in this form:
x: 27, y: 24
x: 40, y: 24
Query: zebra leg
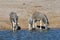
x: 18, y: 23
x: 33, y: 24
x: 14, y: 26
x: 30, y: 26
x: 45, y: 26
x: 41, y: 24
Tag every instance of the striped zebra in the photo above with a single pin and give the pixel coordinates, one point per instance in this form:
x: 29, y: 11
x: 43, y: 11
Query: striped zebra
x: 37, y: 16
x: 14, y: 21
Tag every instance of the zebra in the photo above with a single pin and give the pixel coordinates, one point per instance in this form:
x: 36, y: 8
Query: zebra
x: 14, y: 21
x: 30, y: 21
x: 37, y: 16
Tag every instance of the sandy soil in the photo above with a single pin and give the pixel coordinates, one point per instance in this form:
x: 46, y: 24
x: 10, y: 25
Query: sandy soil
x: 23, y: 8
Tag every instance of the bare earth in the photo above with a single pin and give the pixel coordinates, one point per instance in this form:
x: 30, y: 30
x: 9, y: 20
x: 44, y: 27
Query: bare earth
x: 23, y: 8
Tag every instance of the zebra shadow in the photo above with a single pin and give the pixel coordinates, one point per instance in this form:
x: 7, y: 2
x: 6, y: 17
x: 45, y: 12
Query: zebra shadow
x: 18, y: 28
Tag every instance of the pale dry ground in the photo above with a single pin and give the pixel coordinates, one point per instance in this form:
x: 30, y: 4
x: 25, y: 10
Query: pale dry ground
x: 23, y: 8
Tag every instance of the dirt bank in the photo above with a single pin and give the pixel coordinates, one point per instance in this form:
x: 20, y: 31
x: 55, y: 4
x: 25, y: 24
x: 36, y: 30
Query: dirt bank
x: 23, y: 8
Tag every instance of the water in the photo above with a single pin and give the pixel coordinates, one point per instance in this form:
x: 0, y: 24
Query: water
x: 30, y: 35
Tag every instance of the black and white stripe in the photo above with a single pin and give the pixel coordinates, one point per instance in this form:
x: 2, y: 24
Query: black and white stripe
x: 14, y: 20
x: 37, y: 16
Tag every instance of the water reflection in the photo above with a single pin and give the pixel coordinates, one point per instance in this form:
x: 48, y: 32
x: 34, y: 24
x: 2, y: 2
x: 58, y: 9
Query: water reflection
x: 30, y: 35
